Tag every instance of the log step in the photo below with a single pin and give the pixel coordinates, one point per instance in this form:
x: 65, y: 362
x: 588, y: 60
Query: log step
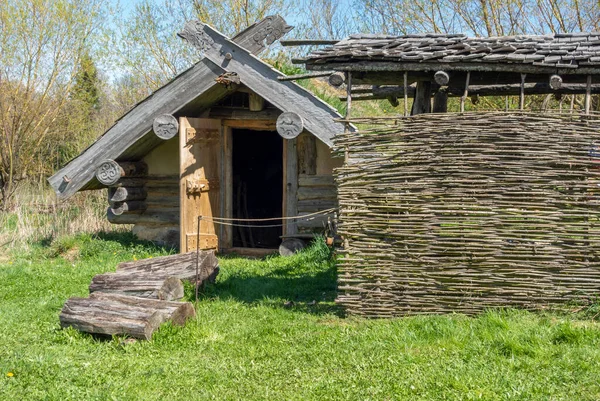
x: 158, y: 278
x: 116, y: 314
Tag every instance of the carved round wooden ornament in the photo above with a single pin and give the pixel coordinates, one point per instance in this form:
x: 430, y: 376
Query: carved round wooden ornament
x: 109, y: 172
x: 165, y: 126
x: 289, y: 125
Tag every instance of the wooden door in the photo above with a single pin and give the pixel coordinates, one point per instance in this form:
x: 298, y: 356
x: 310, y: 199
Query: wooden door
x: 200, y: 163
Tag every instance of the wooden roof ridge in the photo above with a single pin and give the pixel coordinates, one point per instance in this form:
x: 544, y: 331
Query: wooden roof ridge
x: 568, y: 51
x: 131, y: 137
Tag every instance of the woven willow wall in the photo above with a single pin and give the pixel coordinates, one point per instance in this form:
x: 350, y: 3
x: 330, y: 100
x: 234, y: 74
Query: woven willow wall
x: 461, y: 212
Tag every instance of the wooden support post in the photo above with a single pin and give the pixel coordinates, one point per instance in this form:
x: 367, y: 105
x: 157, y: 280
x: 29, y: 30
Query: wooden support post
x: 522, y: 94
x: 348, y: 109
x: 466, y: 93
x: 440, y: 101
x: 588, y: 94
x: 405, y: 93
x: 256, y: 103
x: 422, y: 102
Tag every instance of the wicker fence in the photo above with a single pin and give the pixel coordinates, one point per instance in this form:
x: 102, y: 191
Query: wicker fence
x: 461, y: 212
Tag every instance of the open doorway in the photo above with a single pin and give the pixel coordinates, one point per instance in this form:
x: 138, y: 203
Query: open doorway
x: 257, y: 168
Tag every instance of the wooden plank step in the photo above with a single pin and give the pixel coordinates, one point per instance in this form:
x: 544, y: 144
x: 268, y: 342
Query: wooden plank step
x: 115, y: 314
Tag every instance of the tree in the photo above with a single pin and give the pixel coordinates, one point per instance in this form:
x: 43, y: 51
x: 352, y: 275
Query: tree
x: 42, y: 41
x: 85, y: 88
x: 479, y: 17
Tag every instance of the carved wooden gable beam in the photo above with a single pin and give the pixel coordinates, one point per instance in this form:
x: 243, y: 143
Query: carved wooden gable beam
x: 261, y: 78
x: 261, y: 34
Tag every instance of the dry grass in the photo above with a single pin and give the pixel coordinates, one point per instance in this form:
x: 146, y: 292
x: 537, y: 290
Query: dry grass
x: 38, y: 216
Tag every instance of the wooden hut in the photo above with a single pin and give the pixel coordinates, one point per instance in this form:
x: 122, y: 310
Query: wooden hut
x: 230, y: 138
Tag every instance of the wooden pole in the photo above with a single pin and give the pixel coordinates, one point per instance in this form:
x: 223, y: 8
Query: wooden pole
x: 405, y: 93
x: 522, y: 95
x: 348, y: 109
x: 588, y: 94
x: 464, y: 96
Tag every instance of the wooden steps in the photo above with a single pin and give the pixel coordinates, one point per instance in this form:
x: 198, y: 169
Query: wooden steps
x: 140, y: 296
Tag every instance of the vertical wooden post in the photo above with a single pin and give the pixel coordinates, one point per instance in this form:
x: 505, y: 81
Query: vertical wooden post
x: 466, y: 93
x: 291, y: 182
x: 440, y: 101
x: 405, y: 93
x: 348, y: 109
x: 422, y: 102
x: 588, y: 94
x: 522, y: 95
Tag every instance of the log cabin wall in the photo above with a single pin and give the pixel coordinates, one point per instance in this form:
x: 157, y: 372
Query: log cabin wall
x: 159, y: 221
x: 162, y: 187
x: 316, y: 187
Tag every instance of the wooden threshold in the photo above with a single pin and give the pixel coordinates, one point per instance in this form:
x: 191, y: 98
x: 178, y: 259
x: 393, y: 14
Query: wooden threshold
x: 250, y: 252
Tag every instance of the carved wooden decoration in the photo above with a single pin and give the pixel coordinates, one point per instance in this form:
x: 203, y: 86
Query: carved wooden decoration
x: 289, y: 125
x: 258, y: 36
x: 109, y: 172
x: 165, y: 126
x: 193, y: 32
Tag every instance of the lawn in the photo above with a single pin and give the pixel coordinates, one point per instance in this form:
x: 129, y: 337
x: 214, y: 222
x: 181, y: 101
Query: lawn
x: 250, y: 342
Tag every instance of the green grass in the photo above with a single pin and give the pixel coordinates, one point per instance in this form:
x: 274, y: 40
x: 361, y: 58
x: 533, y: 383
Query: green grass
x: 245, y: 344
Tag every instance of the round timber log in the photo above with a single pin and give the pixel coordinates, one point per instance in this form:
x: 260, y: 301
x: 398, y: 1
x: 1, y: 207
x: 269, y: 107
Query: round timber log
x: 289, y: 125
x: 337, y: 79
x: 555, y: 82
x: 110, y: 172
x: 441, y: 78
x: 290, y: 246
x: 165, y: 126
x: 121, y: 194
x: 118, y: 208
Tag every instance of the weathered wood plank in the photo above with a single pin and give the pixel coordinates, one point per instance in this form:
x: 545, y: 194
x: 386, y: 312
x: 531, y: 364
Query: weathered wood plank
x: 261, y: 34
x: 307, y: 154
x: 140, y: 285
x: 262, y: 79
x: 316, y: 193
x: 231, y: 113
x: 316, y: 181
x: 315, y: 205
x: 150, y: 216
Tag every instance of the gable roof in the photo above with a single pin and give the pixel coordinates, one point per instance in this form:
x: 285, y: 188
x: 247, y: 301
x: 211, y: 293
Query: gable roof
x: 566, y: 51
x: 132, y: 137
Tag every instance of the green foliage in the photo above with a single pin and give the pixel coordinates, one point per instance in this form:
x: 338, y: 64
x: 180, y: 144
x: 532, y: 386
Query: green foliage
x: 249, y: 342
x: 85, y: 89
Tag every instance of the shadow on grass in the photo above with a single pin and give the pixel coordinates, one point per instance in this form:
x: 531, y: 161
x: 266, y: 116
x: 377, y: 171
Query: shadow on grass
x: 292, y: 286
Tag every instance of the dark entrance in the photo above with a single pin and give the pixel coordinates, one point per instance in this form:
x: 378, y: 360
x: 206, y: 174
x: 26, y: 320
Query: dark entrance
x: 257, y: 163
